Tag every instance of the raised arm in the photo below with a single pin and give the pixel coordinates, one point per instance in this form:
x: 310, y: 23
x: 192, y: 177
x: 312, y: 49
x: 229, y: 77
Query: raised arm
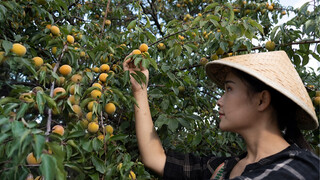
x: 150, y: 147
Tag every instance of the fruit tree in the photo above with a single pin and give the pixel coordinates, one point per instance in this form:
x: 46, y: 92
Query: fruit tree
x: 66, y: 108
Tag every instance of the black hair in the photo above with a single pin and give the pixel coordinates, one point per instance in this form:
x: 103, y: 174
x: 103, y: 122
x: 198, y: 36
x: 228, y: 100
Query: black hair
x: 284, y: 108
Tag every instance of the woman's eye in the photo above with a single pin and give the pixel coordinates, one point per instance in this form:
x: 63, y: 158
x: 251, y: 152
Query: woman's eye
x: 228, y: 89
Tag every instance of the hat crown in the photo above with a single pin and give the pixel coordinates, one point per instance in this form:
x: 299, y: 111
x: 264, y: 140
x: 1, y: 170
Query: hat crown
x: 276, y: 70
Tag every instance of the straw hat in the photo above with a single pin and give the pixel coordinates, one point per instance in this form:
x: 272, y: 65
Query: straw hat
x: 274, y: 69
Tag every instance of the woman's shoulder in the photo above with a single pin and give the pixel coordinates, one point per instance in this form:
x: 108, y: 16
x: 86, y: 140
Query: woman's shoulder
x: 291, y: 163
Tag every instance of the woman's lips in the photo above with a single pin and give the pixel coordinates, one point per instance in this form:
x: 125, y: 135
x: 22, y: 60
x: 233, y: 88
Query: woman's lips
x: 221, y: 114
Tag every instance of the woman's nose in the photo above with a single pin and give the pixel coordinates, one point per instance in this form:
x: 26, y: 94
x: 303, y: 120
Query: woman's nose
x: 219, y: 102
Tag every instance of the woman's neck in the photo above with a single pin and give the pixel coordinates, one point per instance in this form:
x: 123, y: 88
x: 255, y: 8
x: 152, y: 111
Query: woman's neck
x: 263, y: 143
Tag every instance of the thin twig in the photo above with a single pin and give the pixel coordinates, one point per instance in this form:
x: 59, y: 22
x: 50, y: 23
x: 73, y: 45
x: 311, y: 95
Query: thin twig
x: 104, y: 19
x: 51, y: 91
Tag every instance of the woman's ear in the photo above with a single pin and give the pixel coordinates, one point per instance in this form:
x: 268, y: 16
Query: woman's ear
x: 264, y: 98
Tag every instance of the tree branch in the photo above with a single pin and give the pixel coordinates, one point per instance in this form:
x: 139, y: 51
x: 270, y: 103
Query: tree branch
x: 105, y: 17
x: 51, y: 91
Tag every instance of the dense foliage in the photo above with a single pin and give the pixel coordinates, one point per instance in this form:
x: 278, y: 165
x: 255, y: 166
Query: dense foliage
x: 97, y: 140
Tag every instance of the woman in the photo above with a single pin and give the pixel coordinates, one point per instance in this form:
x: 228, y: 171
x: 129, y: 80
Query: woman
x: 264, y: 101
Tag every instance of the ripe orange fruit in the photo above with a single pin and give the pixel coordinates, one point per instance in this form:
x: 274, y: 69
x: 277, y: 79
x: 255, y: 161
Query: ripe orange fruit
x: 31, y: 160
x: 72, y: 89
x: 38, y: 61
x: 90, y: 105
x: 97, y: 85
x: 58, y: 129
x: 181, y: 37
x: 2, y: 56
x: 96, y: 94
x: 104, y: 60
x: 203, y: 61
x: 55, y: 30
x: 77, y: 109
x: 84, y: 123
x: 110, y: 108
x: 70, y: 39
x: 109, y: 129
x: 220, y: 51
x: 143, y: 47
x: 18, y: 49
x: 89, y: 117
x: 270, y: 8
x: 93, y: 127
x: 283, y: 12
x: 48, y: 26
x: 54, y: 50
x: 316, y: 101
x: 104, y: 68
x: 76, y: 78
x: 161, y: 46
x: 101, y: 137
x: 59, y: 90
x: 108, y: 22
x: 65, y: 70
x: 96, y: 69
x: 74, y: 100
x: 270, y: 45
x: 136, y: 51
x: 103, y: 77
x: 82, y: 54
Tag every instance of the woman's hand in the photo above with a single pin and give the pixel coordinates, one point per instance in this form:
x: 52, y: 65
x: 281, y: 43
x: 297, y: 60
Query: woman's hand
x: 128, y: 64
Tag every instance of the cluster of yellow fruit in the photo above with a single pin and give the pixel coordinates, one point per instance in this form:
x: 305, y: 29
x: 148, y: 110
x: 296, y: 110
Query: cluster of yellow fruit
x: 142, y: 49
x: 316, y: 99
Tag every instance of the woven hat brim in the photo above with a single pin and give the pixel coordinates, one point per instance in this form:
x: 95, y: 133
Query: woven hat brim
x: 217, y: 70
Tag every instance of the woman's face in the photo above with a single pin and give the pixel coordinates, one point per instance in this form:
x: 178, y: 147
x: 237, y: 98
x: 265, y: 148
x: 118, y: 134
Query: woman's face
x: 236, y: 107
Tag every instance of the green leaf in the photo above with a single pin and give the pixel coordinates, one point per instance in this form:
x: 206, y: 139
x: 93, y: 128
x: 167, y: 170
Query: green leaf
x: 197, y: 139
x: 3, y: 120
x: 3, y: 136
x: 96, y: 144
x: 177, y: 50
x: 273, y: 32
x: 7, y: 46
x: 161, y: 120
x: 40, y: 101
x: 171, y: 76
x: 75, y: 134
x: 118, y: 137
x: 132, y: 24
x: 257, y: 25
x: 126, y: 77
x: 151, y: 36
x: 29, y: 66
x: 184, y: 123
x: 153, y: 63
x: 39, y: 141
x: 98, y: 164
x: 210, y: 6
x: 8, y: 100
x: 17, y: 128
x: 202, y: 23
x: 94, y: 176
x: 48, y: 166
x: 141, y: 76
x: 173, y: 124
